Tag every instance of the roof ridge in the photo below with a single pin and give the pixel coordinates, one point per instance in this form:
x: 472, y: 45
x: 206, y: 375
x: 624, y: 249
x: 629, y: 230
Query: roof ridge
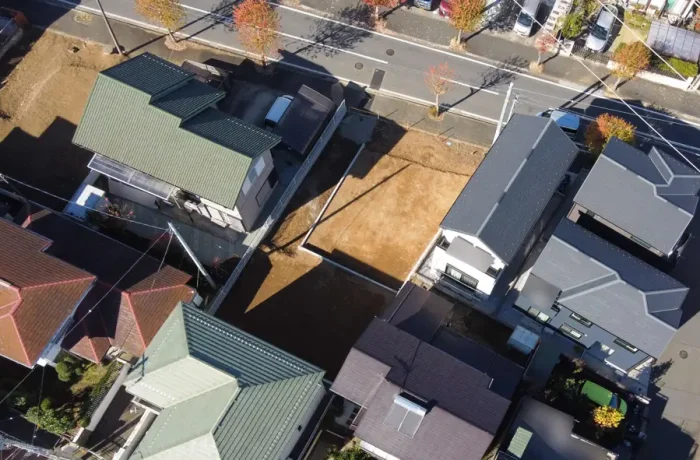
x: 149, y: 290
x: 56, y: 283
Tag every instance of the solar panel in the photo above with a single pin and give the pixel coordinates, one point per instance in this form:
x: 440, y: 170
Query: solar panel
x: 131, y: 176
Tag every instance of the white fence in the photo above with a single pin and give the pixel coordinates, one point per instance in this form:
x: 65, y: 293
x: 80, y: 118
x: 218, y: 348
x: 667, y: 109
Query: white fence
x: 276, y: 213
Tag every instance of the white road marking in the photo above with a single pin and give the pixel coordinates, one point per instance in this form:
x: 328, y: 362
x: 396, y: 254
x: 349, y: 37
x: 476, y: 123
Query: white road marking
x: 429, y: 103
x: 473, y: 87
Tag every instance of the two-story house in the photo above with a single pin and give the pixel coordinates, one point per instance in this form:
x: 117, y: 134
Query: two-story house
x: 158, y: 136
x: 215, y: 392
x: 598, y: 279
x: 503, y: 208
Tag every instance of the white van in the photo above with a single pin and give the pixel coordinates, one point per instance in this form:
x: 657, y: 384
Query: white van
x: 526, y: 18
x: 274, y: 115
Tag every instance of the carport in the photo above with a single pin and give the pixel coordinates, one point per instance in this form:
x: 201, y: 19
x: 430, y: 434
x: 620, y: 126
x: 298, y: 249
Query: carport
x: 304, y: 120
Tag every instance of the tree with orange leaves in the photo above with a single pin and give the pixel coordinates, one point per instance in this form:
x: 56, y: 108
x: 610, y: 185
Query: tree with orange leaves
x: 438, y: 79
x: 376, y: 4
x: 258, y: 25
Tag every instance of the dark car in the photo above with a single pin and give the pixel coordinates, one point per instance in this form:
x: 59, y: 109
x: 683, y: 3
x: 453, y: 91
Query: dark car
x: 428, y: 5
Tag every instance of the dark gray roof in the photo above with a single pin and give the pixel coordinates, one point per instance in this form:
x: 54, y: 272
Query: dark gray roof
x: 539, y: 292
x: 513, y: 184
x: 462, y: 408
x: 540, y: 432
x: 417, y: 311
x: 463, y: 250
x: 653, y: 196
x: 607, y: 285
x: 304, y: 119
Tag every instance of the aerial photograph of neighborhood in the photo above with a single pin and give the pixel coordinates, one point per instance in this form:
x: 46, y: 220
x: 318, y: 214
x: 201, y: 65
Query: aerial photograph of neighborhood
x: 349, y: 229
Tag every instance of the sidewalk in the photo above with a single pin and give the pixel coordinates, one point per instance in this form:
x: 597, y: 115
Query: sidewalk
x: 138, y: 40
x: 422, y: 26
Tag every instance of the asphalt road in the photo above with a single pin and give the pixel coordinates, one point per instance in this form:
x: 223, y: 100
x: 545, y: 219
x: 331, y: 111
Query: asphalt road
x: 397, y: 66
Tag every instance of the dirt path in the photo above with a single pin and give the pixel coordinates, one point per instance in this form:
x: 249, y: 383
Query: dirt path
x: 42, y: 101
x: 392, y: 202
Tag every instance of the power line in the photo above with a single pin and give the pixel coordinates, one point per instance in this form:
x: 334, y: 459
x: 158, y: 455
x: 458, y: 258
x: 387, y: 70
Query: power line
x: 113, y: 286
x: 81, y: 205
x: 692, y: 165
x: 17, y: 386
x: 41, y: 390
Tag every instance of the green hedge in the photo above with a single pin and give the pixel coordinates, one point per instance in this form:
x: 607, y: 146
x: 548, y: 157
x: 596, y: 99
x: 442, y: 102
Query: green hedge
x: 685, y: 68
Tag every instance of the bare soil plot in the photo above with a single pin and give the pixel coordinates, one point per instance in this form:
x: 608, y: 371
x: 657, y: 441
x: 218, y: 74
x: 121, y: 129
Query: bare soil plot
x: 41, y: 103
x: 392, y: 202
x: 292, y: 299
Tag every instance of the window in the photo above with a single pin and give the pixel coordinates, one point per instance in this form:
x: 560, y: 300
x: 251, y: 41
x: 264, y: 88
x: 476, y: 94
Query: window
x: 581, y: 320
x: 570, y: 331
x: 463, y: 278
x: 606, y: 349
x: 259, y: 166
x: 405, y: 416
x: 538, y: 314
x: 640, y: 242
x: 246, y: 186
x: 493, y: 272
x: 626, y: 345
x: 443, y: 243
x: 253, y: 174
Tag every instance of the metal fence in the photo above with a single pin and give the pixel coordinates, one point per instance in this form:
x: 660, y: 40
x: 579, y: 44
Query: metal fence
x: 580, y: 50
x: 276, y: 213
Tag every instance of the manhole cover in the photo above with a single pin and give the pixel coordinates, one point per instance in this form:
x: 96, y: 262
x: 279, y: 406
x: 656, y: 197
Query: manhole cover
x: 358, y: 65
x: 683, y: 354
x: 390, y: 52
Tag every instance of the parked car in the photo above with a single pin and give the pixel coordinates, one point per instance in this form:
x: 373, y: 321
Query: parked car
x: 526, y: 19
x: 425, y: 4
x: 567, y: 121
x: 603, y: 396
x: 274, y: 115
x: 445, y: 8
x: 601, y: 30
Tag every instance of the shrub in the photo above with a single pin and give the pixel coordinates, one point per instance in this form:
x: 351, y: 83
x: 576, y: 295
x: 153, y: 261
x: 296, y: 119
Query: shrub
x: 19, y: 400
x: 354, y: 453
x: 607, y: 417
x: 685, y: 68
x: 78, y: 371
x: 64, y: 371
x: 46, y: 404
x: 53, y: 421
x: 573, y: 25
x: 83, y: 422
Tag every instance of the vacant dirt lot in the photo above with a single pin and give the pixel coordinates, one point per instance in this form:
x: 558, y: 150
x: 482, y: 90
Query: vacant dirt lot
x: 41, y: 103
x: 392, y: 202
x: 291, y: 298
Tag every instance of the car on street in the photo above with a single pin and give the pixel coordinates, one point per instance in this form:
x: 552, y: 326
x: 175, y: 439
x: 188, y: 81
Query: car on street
x: 428, y: 5
x: 599, y: 33
x: 274, y: 115
x: 602, y: 396
x: 526, y: 19
x: 567, y: 121
x: 445, y: 8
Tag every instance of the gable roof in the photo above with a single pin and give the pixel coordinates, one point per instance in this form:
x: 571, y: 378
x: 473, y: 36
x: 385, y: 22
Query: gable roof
x: 613, y: 289
x: 153, y: 116
x: 38, y: 293
x: 386, y: 361
x: 144, y: 294
x: 652, y: 196
x: 220, y: 388
x: 541, y: 432
x: 513, y: 184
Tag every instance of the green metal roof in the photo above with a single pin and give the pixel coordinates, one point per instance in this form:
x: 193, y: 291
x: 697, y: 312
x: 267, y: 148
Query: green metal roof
x: 267, y: 398
x: 153, y: 116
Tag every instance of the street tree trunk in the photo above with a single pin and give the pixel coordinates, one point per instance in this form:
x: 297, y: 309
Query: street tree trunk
x: 617, y: 83
x: 376, y: 14
x: 539, y: 57
x: 170, y: 34
x: 459, y: 36
x: 437, y: 104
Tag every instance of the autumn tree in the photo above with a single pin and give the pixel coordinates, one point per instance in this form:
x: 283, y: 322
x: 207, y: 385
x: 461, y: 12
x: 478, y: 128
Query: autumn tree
x: 607, y: 417
x: 630, y: 59
x: 604, y: 128
x: 545, y: 44
x: 465, y: 16
x: 167, y: 13
x: 438, y: 79
x: 258, y: 25
x: 376, y: 4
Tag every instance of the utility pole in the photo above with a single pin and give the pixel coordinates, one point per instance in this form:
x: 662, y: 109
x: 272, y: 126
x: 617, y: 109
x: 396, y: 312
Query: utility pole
x: 503, y: 112
x: 190, y: 253
x: 109, y: 27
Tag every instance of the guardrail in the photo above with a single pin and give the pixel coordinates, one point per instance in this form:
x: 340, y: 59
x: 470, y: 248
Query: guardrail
x: 261, y: 233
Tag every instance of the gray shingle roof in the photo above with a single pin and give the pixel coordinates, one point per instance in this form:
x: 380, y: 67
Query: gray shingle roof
x: 463, y: 415
x: 513, y: 184
x: 151, y: 115
x: 258, y: 395
x: 304, y: 119
x: 653, y: 196
x: 615, y: 290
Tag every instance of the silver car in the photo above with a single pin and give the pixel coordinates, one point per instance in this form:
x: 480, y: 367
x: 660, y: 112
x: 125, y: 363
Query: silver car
x: 599, y: 33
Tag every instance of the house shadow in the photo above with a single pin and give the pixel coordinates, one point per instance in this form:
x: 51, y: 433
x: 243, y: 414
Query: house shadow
x: 50, y: 162
x: 318, y: 317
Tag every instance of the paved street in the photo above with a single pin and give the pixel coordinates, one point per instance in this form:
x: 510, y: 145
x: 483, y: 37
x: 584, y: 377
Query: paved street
x: 396, y: 66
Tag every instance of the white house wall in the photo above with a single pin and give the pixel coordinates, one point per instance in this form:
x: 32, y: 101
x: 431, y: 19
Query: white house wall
x: 132, y: 194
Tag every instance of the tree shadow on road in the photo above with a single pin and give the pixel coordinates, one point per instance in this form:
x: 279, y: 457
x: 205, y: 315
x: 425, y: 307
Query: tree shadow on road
x: 344, y: 33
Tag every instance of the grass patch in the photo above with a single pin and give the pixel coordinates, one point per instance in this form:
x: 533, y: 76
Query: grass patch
x: 685, y: 68
x: 638, y: 21
x: 92, y: 375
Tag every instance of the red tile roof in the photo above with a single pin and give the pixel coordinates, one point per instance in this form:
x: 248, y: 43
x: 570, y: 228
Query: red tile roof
x: 39, y: 293
x: 132, y: 313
